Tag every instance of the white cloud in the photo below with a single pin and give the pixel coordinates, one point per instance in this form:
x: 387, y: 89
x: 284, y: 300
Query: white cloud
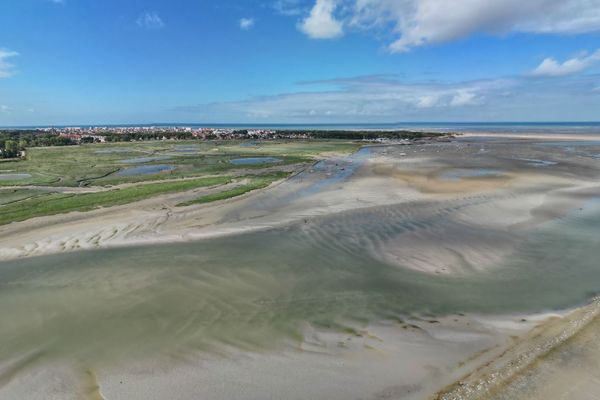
x: 368, y: 98
x: 6, y: 68
x: 381, y: 99
x: 427, y: 101
x: 246, y: 23
x: 464, y: 98
x: 423, y: 22
x: 321, y: 23
x: 552, y: 67
x: 4, y: 108
x: 288, y: 7
x: 150, y: 20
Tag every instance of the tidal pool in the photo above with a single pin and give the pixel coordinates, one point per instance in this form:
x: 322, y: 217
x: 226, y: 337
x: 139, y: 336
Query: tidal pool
x: 466, y: 173
x: 255, y: 160
x: 141, y: 160
x: 330, y: 173
x: 145, y: 170
x: 534, y: 162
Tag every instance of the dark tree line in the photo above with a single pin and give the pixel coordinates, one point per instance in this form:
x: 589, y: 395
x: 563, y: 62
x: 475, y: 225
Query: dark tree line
x: 364, y: 135
x: 13, y: 142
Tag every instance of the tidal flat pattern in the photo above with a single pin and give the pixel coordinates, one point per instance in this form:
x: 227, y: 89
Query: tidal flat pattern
x: 258, y: 291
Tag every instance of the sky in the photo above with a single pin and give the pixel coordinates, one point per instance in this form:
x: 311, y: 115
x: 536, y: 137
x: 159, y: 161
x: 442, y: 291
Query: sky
x: 100, y: 62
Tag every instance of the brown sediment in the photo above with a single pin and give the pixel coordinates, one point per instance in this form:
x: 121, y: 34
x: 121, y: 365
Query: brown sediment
x: 430, y: 183
x: 91, y: 387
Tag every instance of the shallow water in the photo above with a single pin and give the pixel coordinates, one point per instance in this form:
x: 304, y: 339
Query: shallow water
x: 464, y: 173
x: 534, y: 162
x: 258, y: 291
x: 145, y: 170
x: 331, y: 173
x: 141, y: 160
x: 255, y: 160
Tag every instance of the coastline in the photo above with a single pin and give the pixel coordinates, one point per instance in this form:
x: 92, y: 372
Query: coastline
x: 493, y: 378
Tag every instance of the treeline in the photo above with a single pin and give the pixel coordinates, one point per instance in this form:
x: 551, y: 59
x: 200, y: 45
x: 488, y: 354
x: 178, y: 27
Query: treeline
x: 12, y: 143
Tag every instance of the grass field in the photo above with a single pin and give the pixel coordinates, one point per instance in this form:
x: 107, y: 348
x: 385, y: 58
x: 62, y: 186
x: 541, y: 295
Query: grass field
x: 57, y: 203
x: 100, y: 164
x: 8, y: 196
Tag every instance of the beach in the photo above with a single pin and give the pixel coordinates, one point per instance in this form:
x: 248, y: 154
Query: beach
x: 396, y: 272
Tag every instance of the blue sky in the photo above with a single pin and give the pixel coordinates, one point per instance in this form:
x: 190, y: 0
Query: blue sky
x: 298, y: 61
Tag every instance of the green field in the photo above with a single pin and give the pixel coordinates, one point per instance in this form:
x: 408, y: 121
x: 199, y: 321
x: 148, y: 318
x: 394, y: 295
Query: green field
x: 57, y: 203
x: 101, y: 164
x: 52, y: 169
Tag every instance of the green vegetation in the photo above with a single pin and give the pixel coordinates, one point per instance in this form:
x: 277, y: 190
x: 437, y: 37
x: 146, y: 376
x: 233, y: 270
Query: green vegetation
x: 255, y: 182
x: 58, y: 203
x: 366, y: 135
x: 99, y: 164
x: 38, y: 186
x: 8, y: 196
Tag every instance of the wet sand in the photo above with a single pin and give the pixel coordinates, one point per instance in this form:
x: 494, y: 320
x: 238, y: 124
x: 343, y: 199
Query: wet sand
x: 388, y: 274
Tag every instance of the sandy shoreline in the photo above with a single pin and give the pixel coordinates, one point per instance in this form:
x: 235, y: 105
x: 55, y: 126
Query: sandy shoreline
x: 495, y: 378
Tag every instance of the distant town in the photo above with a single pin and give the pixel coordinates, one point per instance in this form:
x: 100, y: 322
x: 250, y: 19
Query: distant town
x: 102, y: 134
x: 13, y: 142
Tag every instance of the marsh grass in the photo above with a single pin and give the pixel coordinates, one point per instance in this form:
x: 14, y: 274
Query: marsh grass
x: 255, y: 183
x: 96, y: 165
x: 8, y: 196
x: 58, y: 203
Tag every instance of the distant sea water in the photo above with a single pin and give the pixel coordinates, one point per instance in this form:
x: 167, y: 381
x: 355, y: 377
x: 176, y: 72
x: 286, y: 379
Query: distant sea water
x: 505, y: 127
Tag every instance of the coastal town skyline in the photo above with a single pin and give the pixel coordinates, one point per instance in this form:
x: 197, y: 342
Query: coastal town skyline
x: 297, y: 61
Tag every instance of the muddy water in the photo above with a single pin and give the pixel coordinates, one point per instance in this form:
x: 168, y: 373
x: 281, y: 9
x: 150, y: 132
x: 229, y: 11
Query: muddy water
x: 258, y: 291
